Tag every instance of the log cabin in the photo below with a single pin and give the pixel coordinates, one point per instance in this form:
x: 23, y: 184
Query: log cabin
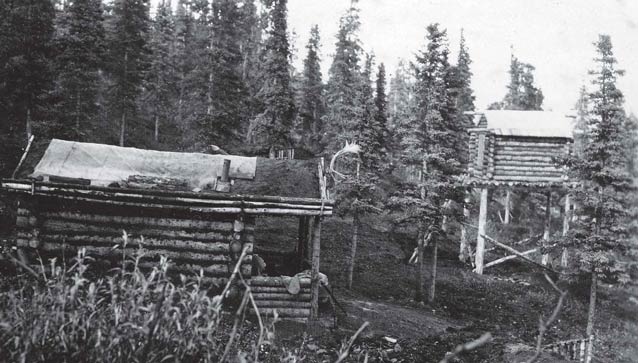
x: 199, y: 210
x: 517, y: 150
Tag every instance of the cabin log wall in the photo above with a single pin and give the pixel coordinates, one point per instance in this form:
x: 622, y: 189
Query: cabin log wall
x: 192, y: 241
x: 516, y: 158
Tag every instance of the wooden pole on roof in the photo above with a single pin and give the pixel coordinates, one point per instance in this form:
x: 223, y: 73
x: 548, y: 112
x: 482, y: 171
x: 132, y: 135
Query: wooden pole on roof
x: 480, y: 239
x: 314, y: 272
x: 548, y: 225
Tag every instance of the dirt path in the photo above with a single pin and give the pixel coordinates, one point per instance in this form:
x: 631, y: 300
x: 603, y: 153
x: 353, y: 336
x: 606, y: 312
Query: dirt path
x: 394, y: 320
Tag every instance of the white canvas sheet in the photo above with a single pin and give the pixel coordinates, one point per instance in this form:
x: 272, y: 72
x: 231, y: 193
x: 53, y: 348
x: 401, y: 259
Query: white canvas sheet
x: 104, y: 164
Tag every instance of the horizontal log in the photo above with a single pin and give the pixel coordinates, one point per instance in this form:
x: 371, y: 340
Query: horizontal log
x: 281, y: 296
x: 48, y: 245
x: 26, y: 186
x: 134, y: 242
x: 524, y: 158
x: 530, y: 169
x: 187, y: 208
x: 527, y: 164
x: 540, y: 151
x: 532, y: 179
x: 70, y: 228
x: 26, y: 222
x: 184, y: 224
x: 516, y: 143
x: 275, y: 281
x: 276, y: 290
x: 283, y: 312
x: 270, y: 304
x: 529, y: 173
x: 209, y: 271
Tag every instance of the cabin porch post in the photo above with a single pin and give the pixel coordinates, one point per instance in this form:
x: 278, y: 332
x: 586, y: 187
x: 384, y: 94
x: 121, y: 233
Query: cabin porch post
x: 314, y: 273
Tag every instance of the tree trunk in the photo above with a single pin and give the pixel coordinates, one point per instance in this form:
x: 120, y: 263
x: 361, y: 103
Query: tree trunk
x: 421, y: 270
x: 77, y: 112
x: 508, y: 196
x: 591, y: 314
x: 156, y: 128
x: 353, y: 247
x: 28, y: 124
x: 566, y: 218
x: 480, y: 240
x: 548, y: 224
x: 122, y: 128
x: 435, y: 250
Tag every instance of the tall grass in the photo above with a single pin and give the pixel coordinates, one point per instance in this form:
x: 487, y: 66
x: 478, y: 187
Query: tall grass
x: 126, y: 315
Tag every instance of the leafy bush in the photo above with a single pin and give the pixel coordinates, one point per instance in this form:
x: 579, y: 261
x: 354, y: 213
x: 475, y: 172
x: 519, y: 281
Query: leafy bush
x: 126, y: 316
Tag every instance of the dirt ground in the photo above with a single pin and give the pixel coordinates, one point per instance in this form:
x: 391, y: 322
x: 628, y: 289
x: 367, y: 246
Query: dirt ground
x: 506, y: 302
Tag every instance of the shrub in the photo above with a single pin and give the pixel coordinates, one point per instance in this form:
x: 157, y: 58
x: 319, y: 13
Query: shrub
x: 125, y: 316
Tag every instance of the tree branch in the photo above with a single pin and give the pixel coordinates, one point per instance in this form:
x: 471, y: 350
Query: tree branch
x: 544, y: 325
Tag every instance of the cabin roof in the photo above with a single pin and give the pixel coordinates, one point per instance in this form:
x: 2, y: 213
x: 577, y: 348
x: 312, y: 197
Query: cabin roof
x: 107, y: 165
x: 525, y: 123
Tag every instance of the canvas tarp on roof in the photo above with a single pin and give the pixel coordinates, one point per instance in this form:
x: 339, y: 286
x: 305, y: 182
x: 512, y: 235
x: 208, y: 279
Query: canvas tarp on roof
x: 105, y: 164
x: 526, y: 123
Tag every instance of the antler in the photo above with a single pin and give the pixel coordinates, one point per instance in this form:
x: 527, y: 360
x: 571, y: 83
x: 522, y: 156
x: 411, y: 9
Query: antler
x: 347, y: 149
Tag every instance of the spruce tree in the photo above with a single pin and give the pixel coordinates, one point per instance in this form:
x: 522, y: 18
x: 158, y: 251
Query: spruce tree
x: 81, y: 59
x: 522, y: 93
x: 26, y: 76
x: 601, y: 235
x: 128, y: 57
x: 161, y: 82
x: 223, y: 125
x: 184, y: 59
x: 432, y: 149
x: 400, y: 107
x: 343, y: 83
x: 275, y: 120
x: 312, y: 91
x: 463, y: 75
